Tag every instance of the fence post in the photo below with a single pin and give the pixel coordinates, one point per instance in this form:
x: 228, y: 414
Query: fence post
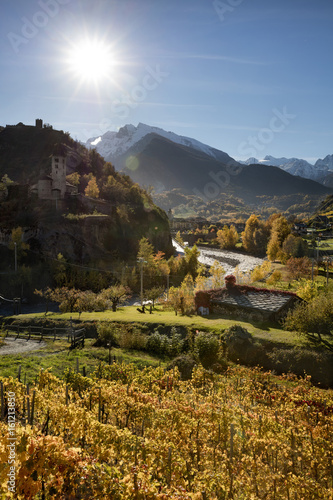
x: 232, y: 430
x: 2, y: 402
x: 99, y: 404
x: 32, y: 408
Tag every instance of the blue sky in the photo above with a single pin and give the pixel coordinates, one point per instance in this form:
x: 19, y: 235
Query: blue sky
x: 249, y: 77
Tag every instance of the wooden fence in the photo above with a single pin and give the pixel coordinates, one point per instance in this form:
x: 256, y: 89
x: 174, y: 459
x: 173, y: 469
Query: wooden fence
x: 36, y: 332
x: 75, y: 337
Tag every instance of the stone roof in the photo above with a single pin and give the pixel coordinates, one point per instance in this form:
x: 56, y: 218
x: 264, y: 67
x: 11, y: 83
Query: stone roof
x: 252, y: 299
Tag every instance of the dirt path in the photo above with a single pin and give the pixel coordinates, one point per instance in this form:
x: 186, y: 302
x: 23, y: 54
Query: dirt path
x: 20, y: 346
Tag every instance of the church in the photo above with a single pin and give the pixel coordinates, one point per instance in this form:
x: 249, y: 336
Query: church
x: 54, y: 186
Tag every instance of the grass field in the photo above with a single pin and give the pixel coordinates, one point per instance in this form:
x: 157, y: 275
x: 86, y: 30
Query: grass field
x: 57, y: 357
x: 212, y: 322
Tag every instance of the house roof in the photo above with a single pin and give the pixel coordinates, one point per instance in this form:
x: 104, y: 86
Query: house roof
x: 252, y: 299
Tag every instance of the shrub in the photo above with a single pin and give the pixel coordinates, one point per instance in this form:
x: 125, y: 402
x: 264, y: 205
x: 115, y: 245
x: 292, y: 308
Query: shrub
x: 154, y: 343
x: 108, y: 333
x: 274, y: 278
x: 77, y: 381
x: 238, y: 341
x: 164, y: 345
x: 207, y: 348
x: 221, y: 366
x: 319, y: 365
x: 185, y: 365
x: 130, y: 337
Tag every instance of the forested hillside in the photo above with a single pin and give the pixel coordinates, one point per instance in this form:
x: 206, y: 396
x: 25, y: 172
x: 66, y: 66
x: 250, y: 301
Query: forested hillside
x: 99, y: 225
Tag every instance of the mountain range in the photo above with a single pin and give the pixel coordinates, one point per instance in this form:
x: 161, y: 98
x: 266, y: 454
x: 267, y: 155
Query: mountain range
x: 114, y: 145
x: 168, y: 162
x: 321, y: 171
x: 129, y: 141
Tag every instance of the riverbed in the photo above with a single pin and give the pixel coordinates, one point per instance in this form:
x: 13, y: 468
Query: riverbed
x: 229, y: 260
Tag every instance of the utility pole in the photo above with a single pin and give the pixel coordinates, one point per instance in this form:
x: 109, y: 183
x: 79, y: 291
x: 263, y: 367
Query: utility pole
x: 318, y: 240
x: 168, y: 278
x: 15, y: 255
x: 142, y: 261
x: 328, y: 261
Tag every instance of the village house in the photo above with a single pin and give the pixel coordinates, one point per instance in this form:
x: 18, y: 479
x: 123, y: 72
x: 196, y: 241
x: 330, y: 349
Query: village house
x: 246, y: 302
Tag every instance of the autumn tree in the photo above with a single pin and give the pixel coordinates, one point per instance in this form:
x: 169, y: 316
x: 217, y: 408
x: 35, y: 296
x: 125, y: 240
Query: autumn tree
x: 294, y: 246
x: 181, y: 299
x: 146, y: 251
x: 201, y: 283
x: 74, y: 178
x: 307, y: 289
x: 299, y: 267
x: 274, y: 278
x: 192, y: 261
x: 217, y: 275
x: 17, y: 241
x: 273, y: 248
x: 67, y: 298
x: 4, y: 183
x: 47, y: 295
x: 227, y: 237
x: 92, y: 190
x: 154, y: 293
x: 255, y: 236
x: 116, y: 295
x: 281, y: 228
x: 261, y: 271
x: 179, y: 239
x: 314, y: 319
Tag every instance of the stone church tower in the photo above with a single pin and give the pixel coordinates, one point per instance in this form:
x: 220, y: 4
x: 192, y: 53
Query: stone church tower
x: 58, y: 175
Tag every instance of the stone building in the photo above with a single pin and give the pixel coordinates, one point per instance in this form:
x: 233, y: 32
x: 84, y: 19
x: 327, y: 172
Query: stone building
x: 247, y: 303
x: 55, y: 186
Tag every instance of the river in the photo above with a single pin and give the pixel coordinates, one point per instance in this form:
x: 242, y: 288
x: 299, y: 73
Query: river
x: 229, y: 260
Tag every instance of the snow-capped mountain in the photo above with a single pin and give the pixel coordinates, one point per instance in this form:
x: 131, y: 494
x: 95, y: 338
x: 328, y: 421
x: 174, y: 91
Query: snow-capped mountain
x: 131, y: 140
x: 111, y: 145
x: 297, y: 166
x: 327, y: 162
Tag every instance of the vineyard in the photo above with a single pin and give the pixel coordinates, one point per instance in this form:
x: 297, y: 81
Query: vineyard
x: 126, y: 433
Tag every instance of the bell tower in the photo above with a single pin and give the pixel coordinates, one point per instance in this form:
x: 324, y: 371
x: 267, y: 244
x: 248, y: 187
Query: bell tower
x: 58, y: 174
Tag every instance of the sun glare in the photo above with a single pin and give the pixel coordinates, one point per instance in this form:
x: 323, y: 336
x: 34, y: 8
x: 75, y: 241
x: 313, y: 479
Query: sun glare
x: 90, y: 61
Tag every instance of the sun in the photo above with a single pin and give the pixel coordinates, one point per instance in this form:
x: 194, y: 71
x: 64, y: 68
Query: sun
x: 90, y: 61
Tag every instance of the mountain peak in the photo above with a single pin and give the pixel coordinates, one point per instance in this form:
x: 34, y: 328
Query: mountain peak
x: 112, y: 145
x: 297, y: 166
